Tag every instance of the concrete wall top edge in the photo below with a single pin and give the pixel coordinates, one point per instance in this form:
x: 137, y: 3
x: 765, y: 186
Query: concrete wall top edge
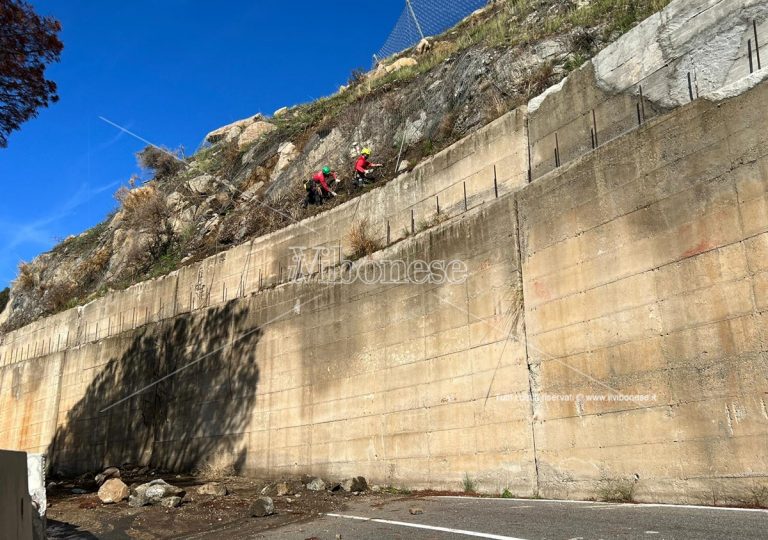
x: 401, y: 190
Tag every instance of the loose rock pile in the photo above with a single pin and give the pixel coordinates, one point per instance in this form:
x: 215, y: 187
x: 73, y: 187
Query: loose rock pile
x: 156, y: 492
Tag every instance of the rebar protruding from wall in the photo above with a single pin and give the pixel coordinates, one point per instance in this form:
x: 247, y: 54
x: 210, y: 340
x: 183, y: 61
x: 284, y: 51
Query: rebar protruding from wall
x: 690, y: 86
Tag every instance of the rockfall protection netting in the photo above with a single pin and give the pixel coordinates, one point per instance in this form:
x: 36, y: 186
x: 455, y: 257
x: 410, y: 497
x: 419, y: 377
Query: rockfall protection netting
x: 427, y: 17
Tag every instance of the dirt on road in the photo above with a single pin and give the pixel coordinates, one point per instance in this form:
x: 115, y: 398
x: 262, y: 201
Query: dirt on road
x: 83, y: 515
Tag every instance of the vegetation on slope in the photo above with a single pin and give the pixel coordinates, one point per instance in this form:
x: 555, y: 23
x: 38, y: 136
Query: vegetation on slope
x: 229, y: 192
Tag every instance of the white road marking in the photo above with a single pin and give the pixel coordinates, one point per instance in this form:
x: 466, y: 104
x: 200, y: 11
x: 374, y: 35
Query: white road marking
x: 633, y: 505
x: 429, y: 527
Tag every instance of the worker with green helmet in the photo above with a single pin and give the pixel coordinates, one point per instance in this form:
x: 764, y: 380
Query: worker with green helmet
x: 317, y: 187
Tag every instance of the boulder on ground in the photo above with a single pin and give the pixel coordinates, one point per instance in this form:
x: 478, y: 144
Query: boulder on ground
x: 316, y: 484
x: 423, y: 46
x: 283, y: 489
x: 171, y: 502
x: 213, y: 488
x: 113, y: 490
x: 263, y: 506
x: 153, y: 493
x: 202, y: 184
x: 231, y: 131
x: 254, y: 132
x: 287, y: 152
x: 397, y: 65
x: 350, y: 485
x: 109, y: 472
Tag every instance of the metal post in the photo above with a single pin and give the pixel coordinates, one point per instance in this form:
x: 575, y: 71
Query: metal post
x: 495, y: 182
x: 413, y: 223
x: 413, y: 14
x: 557, y: 151
x: 690, y: 86
x: 437, y: 203
x: 749, y: 52
x: 757, y: 46
x: 465, y: 196
x: 388, y: 233
x: 642, y: 104
x: 594, y: 127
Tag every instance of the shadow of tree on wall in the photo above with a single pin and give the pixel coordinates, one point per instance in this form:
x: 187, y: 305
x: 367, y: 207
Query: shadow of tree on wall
x: 206, y: 367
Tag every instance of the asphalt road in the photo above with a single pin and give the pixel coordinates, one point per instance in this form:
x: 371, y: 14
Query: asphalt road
x: 516, y: 519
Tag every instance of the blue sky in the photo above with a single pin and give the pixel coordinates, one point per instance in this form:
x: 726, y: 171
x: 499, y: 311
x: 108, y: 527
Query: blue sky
x: 170, y: 71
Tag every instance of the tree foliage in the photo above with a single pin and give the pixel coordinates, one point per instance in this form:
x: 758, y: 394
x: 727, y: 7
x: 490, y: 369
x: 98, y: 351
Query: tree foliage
x: 28, y: 42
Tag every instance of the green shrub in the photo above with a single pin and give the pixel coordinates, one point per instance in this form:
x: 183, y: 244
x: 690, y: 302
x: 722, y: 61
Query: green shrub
x: 5, y: 295
x: 469, y: 484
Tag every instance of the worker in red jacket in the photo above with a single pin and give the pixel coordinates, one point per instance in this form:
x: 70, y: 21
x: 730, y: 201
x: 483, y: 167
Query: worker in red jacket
x: 318, y: 188
x: 363, y: 168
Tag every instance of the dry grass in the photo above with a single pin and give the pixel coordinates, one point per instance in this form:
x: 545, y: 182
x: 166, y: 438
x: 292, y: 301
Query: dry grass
x: 616, y: 490
x: 361, y: 241
x: 229, y: 160
x: 95, y: 264
x: 217, y: 468
x: 163, y: 162
x: 144, y: 209
x: 61, y: 295
x: 28, y: 276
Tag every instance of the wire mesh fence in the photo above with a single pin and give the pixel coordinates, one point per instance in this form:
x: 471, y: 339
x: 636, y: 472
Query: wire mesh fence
x: 421, y: 18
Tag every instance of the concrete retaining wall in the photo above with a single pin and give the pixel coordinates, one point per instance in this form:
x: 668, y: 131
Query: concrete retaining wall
x: 649, y: 279
x: 634, y: 270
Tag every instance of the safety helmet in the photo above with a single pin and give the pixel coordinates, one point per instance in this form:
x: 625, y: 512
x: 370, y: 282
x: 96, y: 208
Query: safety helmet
x: 326, y: 171
x: 366, y: 152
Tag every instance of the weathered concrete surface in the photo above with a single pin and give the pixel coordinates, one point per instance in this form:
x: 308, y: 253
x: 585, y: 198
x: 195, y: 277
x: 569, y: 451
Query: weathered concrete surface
x: 398, y: 383
x: 15, y: 504
x: 644, y: 273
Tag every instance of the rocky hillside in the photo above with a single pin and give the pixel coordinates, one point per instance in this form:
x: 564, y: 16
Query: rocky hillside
x: 247, y: 178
